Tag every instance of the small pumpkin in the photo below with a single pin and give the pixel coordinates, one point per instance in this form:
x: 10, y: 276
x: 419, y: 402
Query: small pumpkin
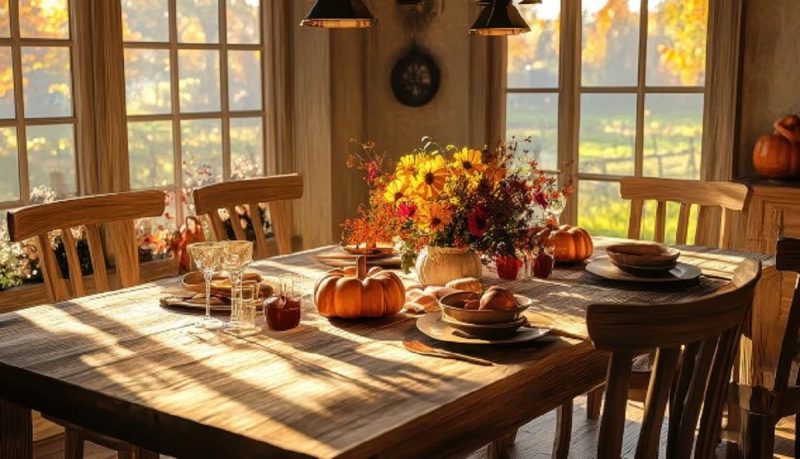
x: 776, y: 156
x: 353, y: 292
x: 789, y: 127
x: 571, y: 244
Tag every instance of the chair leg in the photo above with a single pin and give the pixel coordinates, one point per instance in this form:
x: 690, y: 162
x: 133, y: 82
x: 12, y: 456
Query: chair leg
x: 563, y: 431
x: 73, y: 444
x: 758, y: 436
x: 796, y: 436
x: 501, y: 448
x: 594, y: 402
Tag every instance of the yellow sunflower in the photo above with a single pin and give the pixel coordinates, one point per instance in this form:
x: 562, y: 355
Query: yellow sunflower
x: 396, y: 190
x: 469, y: 161
x: 407, y: 166
x: 433, y: 217
x: 431, y: 177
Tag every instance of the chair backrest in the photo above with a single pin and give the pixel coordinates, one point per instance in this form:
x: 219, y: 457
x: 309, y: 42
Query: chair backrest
x: 250, y: 194
x: 727, y: 196
x: 787, y: 258
x: 695, y: 344
x: 118, y: 209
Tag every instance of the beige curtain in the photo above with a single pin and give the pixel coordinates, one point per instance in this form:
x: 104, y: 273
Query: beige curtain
x: 487, y: 90
x: 278, y: 85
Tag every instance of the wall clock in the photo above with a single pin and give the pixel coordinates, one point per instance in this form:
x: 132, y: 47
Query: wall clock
x: 415, y: 78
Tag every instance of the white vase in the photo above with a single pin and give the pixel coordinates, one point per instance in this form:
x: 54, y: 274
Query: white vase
x: 440, y: 265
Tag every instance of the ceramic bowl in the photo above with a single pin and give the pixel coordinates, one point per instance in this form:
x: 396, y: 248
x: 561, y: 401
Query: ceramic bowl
x: 452, y: 308
x: 485, y: 331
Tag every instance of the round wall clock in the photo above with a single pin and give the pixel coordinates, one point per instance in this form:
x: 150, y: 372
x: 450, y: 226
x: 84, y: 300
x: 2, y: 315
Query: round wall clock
x: 415, y: 78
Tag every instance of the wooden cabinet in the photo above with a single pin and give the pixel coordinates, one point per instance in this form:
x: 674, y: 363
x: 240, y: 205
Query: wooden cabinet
x: 774, y: 209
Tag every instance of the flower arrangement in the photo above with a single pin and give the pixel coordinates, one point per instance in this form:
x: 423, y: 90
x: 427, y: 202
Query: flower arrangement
x: 489, y: 201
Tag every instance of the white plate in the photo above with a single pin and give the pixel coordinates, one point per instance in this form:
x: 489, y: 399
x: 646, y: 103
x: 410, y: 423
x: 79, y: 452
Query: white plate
x: 682, y: 272
x: 433, y: 326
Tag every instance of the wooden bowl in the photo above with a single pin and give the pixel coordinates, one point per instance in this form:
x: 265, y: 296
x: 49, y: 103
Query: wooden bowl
x: 451, y: 306
x: 643, y: 258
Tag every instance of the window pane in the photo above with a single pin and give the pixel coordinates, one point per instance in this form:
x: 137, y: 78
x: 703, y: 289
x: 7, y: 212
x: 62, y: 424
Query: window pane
x: 247, y: 148
x: 152, y: 163
x: 607, y: 133
x: 147, y: 84
x: 51, y: 158
x: 145, y: 20
x: 244, y: 25
x: 198, y: 21
x: 47, y: 81
x: 610, y: 42
x: 199, y: 80
x: 201, y: 146
x: 533, y: 57
x: 601, y: 210
x: 5, y: 25
x: 9, y: 172
x: 673, y: 133
x: 43, y: 18
x: 676, y: 42
x: 6, y: 84
x: 244, y: 80
x: 536, y: 116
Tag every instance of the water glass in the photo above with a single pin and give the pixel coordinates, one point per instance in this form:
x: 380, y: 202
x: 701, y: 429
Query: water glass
x: 207, y: 257
x: 237, y: 256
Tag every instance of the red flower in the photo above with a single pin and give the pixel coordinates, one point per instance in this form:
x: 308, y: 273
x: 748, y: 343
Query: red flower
x: 373, y: 171
x: 540, y: 199
x: 478, y: 221
x: 406, y: 210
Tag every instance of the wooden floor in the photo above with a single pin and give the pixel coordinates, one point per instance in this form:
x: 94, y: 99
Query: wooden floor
x: 535, y: 440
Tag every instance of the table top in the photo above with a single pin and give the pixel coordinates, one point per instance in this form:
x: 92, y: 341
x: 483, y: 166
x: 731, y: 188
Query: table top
x: 121, y: 364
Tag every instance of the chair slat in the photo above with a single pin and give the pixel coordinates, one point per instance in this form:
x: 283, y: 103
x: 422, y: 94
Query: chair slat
x: 126, y: 253
x: 95, y: 243
x: 261, y: 249
x: 661, y: 221
x: 74, y: 262
x: 664, y: 368
x: 635, y: 220
x: 724, y: 232
x: 683, y: 223
x: 236, y: 224
x: 693, y: 401
x: 50, y: 270
x: 218, y: 226
x: 612, y: 426
x: 281, y: 226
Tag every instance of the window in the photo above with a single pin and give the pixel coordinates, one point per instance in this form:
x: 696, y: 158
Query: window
x: 37, y: 115
x: 193, y: 79
x: 638, y: 106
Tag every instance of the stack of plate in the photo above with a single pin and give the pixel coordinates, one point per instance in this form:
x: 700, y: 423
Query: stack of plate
x: 482, y: 323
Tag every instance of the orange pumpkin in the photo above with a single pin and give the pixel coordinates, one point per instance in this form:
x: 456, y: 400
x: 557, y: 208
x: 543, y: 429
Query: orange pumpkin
x: 570, y: 243
x: 776, y: 156
x: 354, y: 292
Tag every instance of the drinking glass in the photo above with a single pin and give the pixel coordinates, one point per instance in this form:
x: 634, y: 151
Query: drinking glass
x: 207, y: 257
x: 236, y: 258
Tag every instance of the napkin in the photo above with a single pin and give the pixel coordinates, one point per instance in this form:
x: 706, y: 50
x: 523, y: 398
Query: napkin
x: 421, y: 299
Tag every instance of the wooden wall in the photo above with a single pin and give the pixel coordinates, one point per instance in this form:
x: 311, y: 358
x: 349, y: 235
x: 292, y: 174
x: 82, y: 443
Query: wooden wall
x: 770, y: 71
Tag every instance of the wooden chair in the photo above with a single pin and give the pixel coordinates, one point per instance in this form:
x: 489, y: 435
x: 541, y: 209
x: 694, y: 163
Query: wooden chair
x: 250, y: 194
x: 724, y: 197
x: 696, y: 345
x: 708, y: 196
x: 116, y: 210
x: 763, y: 407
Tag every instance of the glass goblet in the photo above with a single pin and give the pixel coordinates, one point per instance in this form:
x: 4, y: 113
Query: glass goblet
x: 236, y: 258
x: 207, y: 257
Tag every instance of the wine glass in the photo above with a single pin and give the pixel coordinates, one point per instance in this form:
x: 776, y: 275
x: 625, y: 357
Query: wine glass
x: 207, y: 257
x: 236, y: 258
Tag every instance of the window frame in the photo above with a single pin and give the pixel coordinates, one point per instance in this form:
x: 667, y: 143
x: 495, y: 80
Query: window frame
x: 225, y: 114
x: 570, y: 89
x: 78, y: 99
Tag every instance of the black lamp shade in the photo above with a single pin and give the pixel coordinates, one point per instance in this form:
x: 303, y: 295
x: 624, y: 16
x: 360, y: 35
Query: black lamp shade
x: 339, y: 14
x: 499, y: 18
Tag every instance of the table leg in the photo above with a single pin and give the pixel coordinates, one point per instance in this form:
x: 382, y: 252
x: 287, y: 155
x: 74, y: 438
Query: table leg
x: 16, y: 431
x: 594, y: 402
x: 563, y: 435
x: 501, y: 448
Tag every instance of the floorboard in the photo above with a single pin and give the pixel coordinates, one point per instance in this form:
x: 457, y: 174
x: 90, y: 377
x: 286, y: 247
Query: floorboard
x: 534, y: 441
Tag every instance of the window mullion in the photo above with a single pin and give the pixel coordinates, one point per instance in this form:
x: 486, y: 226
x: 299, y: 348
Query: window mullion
x: 569, y: 100
x: 175, y: 102
x: 640, y: 91
x: 19, y: 102
x: 223, y: 88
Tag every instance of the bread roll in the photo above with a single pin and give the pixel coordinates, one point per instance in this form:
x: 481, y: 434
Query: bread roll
x: 498, y: 299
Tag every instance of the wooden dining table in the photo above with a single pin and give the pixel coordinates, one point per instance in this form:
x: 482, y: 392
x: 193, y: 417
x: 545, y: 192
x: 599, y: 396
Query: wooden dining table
x: 121, y: 364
